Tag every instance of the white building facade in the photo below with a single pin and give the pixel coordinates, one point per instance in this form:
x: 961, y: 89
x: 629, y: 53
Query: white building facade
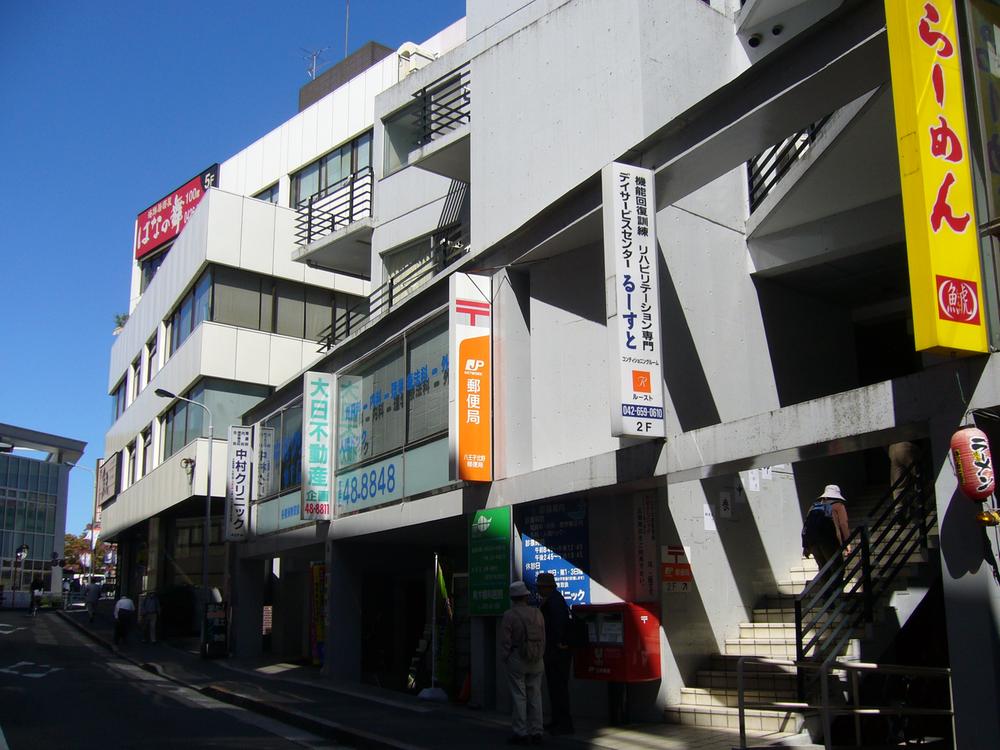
x: 766, y: 130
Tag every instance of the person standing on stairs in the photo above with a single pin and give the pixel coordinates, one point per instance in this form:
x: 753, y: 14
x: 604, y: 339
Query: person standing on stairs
x: 826, y: 528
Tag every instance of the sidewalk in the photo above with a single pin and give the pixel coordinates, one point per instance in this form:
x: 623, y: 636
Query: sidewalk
x: 364, y: 716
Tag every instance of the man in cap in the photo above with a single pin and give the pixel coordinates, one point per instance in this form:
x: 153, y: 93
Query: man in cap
x: 558, y: 656
x: 522, y: 646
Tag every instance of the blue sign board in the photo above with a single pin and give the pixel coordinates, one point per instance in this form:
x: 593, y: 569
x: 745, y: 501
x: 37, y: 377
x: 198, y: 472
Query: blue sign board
x: 371, y: 486
x: 554, y: 539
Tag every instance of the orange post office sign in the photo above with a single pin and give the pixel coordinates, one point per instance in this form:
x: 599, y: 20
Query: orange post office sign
x: 471, y: 403
x: 934, y: 163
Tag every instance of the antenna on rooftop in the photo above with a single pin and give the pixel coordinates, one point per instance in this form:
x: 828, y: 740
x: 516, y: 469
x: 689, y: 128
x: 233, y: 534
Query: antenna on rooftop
x: 313, y: 56
x: 347, y: 25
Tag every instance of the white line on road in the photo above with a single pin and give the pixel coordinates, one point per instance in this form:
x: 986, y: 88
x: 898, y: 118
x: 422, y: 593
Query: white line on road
x: 3, y: 741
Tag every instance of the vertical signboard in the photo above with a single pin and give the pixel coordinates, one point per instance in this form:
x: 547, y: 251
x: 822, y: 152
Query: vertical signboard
x: 554, y: 539
x: 632, y: 300
x: 644, y: 539
x: 470, y: 397
x: 238, y: 484
x: 317, y: 613
x: 264, y: 460
x: 107, y: 478
x: 489, y: 561
x: 317, y: 438
x: 942, y: 242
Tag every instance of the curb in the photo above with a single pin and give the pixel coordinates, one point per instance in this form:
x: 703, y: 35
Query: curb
x: 328, y: 729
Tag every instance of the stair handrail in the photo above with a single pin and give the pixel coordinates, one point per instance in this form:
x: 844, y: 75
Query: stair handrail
x: 842, y: 595
x: 854, y: 668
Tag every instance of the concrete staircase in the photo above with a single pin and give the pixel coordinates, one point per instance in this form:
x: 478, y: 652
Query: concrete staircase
x: 713, y: 700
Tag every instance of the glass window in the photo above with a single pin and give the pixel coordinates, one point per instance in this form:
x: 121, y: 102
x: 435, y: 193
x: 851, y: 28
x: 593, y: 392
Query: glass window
x: 289, y: 308
x: 371, y: 409
x: 269, y: 194
x: 136, y: 375
x: 305, y: 183
x: 149, y: 268
x: 237, y: 298
x: 331, y: 170
x: 268, y: 481
x: 427, y: 381
x: 319, y: 311
x: 117, y: 401
x: 133, y: 458
x: 363, y: 152
x: 291, y: 447
x: 203, y: 298
x: 152, y: 359
x: 147, y: 450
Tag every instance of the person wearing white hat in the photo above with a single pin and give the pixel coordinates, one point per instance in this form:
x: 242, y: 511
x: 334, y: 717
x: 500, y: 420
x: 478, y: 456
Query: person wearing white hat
x: 522, y: 646
x: 827, y: 527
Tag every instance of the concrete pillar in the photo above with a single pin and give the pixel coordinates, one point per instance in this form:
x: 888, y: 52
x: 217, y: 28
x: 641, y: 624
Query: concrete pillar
x: 512, y: 349
x: 483, y: 662
x: 248, y: 581
x: 343, y: 604
x: 971, y: 601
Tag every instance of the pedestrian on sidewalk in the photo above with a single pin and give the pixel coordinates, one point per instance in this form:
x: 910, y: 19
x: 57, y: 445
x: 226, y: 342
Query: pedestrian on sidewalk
x: 92, y: 595
x: 558, y: 656
x: 37, y: 586
x: 124, y: 615
x: 149, y: 612
x: 522, y: 647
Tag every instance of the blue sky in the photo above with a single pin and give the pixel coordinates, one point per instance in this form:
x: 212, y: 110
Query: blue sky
x: 106, y: 107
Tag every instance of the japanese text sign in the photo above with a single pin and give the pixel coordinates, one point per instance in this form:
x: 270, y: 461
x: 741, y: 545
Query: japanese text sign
x: 317, y: 440
x: 632, y: 300
x: 489, y: 561
x: 107, y: 479
x: 554, y: 539
x: 676, y: 571
x: 644, y: 550
x: 470, y: 396
x: 238, y: 483
x: 942, y: 243
x: 165, y: 219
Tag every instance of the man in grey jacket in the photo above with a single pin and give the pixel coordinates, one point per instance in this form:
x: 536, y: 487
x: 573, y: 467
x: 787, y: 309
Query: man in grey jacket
x: 522, y: 647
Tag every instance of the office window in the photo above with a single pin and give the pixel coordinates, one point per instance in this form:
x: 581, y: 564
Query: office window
x: 152, y: 359
x: 237, y: 298
x: 332, y: 170
x: 227, y: 400
x: 133, y: 459
x: 194, y: 307
x: 136, y: 376
x: 149, y: 266
x: 147, y: 450
x: 289, y: 308
x: 284, y: 435
x: 269, y: 194
x: 118, y: 400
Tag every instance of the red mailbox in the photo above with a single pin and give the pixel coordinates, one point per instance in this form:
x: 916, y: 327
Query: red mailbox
x: 624, y: 643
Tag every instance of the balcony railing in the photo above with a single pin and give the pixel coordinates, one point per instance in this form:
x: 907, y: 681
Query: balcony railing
x: 335, y: 207
x: 447, y: 246
x: 444, y: 105
x: 765, y: 170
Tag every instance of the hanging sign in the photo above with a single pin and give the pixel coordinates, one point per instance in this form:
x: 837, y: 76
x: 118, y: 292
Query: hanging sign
x: 942, y: 242
x: 238, y: 484
x: 470, y: 397
x: 632, y: 300
x: 317, y: 439
x: 644, y: 539
x: 489, y: 561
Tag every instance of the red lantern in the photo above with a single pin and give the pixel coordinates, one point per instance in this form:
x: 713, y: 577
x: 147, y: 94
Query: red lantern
x: 970, y: 452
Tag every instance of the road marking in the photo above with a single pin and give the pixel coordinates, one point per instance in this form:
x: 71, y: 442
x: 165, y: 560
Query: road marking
x: 7, y: 629
x: 14, y: 669
x: 3, y: 741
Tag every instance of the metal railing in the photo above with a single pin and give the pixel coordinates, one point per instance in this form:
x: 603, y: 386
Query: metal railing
x: 335, y: 207
x: 444, y: 105
x: 765, y: 170
x: 842, y: 596
x: 445, y: 248
x: 856, y: 709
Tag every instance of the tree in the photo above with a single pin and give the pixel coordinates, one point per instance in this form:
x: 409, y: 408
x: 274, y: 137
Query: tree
x: 76, y: 551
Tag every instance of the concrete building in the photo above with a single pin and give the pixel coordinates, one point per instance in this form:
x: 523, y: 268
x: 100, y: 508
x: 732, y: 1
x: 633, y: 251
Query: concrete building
x: 791, y: 300
x: 34, y: 486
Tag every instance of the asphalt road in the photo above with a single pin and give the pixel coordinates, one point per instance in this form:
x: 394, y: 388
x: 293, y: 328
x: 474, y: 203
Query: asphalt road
x: 60, y: 690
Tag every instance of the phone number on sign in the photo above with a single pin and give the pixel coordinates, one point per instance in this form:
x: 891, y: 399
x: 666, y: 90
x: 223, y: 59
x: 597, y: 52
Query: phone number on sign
x: 367, y: 485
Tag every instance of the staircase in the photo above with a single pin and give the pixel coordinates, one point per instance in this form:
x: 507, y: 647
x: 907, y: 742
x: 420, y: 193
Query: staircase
x: 806, y: 620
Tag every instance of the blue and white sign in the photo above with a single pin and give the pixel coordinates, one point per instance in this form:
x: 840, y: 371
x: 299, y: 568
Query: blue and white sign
x: 317, y: 440
x: 554, y: 539
x: 370, y: 486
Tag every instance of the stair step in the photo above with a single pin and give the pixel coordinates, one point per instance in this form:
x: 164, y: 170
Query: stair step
x: 781, y: 648
x: 730, y: 697
x: 785, y: 683
x: 751, y: 630
x: 723, y: 717
x: 775, y: 615
x: 727, y: 663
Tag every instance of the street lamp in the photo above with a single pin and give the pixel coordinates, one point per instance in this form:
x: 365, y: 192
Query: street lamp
x: 162, y: 393
x: 20, y: 555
